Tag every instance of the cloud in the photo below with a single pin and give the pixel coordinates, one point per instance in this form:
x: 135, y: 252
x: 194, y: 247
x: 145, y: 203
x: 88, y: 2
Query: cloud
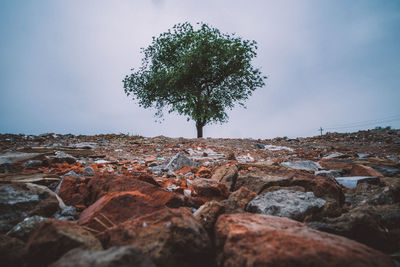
x: 62, y: 64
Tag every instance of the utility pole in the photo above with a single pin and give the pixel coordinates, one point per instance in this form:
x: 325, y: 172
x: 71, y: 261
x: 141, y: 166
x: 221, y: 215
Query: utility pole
x: 320, y: 129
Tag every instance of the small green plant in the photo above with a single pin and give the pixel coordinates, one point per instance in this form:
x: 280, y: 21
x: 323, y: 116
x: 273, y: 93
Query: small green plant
x: 285, y: 137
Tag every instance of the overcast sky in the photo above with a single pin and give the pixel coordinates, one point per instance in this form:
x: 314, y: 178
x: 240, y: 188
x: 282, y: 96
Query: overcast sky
x: 333, y: 64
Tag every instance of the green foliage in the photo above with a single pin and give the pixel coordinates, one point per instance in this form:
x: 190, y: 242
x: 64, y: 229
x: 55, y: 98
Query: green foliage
x: 195, y: 72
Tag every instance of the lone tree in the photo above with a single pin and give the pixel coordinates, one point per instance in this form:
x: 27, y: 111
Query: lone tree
x: 196, y: 73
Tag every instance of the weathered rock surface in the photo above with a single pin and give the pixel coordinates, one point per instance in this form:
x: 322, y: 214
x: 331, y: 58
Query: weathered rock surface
x: 306, y: 165
x: 169, y: 237
x: 352, y: 181
x: 263, y: 240
x: 61, y: 157
x: 362, y: 170
x: 208, y: 189
x: 18, y: 201
x: 208, y: 214
x: 227, y: 175
x: 175, y: 163
x: 101, y: 185
x: 23, y: 229
x: 286, y: 203
x: 112, y: 257
x: 74, y: 191
x: 375, y: 226
x: 53, y: 238
x: 238, y: 200
x: 320, y: 186
x: 117, y: 207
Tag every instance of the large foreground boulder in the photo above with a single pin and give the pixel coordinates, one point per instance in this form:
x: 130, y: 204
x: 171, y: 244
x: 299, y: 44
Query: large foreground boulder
x: 112, y: 257
x: 53, y: 238
x: 169, y: 237
x: 263, y: 240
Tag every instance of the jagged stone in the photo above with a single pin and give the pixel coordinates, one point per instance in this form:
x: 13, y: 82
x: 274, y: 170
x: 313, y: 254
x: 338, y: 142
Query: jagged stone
x: 286, y: 203
x: 306, y: 165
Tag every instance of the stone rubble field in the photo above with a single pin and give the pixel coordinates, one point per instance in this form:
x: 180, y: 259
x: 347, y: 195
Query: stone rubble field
x: 119, y: 200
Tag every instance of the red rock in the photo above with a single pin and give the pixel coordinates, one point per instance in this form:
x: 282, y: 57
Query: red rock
x: 74, y: 191
x: 208, y: 214
x: 150, y: 159
x: 204, y: 172
x: 169, y: 237
x: 117, y: 207
x: 227, y: 175
x: 208, y: 189
x: 362, y: 170
x: 336, y: 164
x: 184, y: 170
x: 53, y: 238
x: 237, y: 201
x: 263, y: 240
x: 101, y: 185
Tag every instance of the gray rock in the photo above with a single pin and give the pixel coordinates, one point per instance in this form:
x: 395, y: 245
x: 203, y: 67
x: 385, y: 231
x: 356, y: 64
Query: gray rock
x: 32, y: 163
x: 14, y: 157
x: 329, y: 173
x: 67, y: 213
x: 112, y: 257
x: 351, y: 181
x: 23, y: 229
x: 84, y: 145
x: 71, y: 174
x: 18, y: 201
x: 61, y: 157
x: 306, y: 165
x: 388, y: 171
x: 88, y: 171
x: 175, y: 163
x: 286, y: 203
x: 260, y: 146
x: 335, y: 155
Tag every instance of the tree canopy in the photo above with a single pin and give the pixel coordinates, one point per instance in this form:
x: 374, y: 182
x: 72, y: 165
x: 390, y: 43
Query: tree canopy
x: 197, y: 73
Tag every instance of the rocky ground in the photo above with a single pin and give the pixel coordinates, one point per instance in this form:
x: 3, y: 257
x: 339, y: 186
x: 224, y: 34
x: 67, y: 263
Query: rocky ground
x: 118, y: 200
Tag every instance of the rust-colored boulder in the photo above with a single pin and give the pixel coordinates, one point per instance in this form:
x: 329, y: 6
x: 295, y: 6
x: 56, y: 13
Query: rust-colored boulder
x: 53, y: 238
x: 208, y: 214
x: 362, y: 170
x: 227, y: 175
x: 101, y: 185
x: 117, y: 207
x: 169, y: 237
x: 263, y: 240
x: 208, y: 189
x: 74, y: 191
x: 237, y: 201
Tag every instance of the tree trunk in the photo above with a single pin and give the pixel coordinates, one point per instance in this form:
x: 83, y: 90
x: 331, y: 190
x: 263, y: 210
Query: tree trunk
x: 199, y: 127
